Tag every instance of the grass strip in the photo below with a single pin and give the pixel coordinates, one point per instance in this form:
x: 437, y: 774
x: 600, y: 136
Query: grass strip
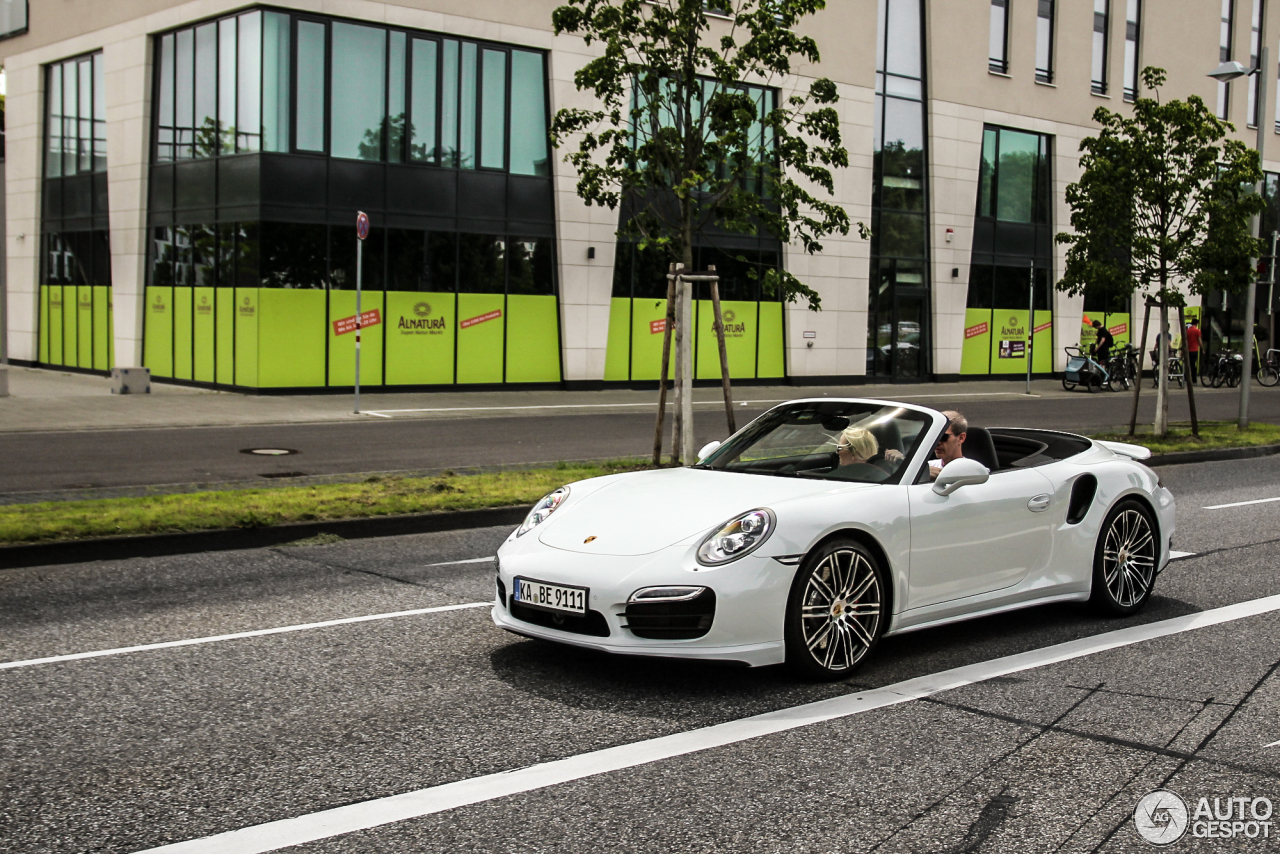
x: 1213, y: 435
x: 254, y: 508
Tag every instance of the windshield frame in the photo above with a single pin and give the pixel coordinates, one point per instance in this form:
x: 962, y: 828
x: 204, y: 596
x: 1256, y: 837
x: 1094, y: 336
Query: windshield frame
x: 769, y: 421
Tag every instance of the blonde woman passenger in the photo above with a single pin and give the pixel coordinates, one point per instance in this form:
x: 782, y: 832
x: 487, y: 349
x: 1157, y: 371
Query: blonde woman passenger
x: 855, y: 447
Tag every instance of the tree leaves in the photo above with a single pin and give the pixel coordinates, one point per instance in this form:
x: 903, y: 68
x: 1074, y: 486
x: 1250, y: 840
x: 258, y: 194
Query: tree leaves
x: 684, y: 134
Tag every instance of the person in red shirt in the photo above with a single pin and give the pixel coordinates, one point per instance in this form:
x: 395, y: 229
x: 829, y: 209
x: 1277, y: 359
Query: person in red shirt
x: 1193, y: 348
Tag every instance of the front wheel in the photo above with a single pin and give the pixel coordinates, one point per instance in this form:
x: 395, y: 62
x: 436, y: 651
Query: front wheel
x: 1268, y: 375
x: 1067, y: 385
x: 1233, y: 377
x: 1124, y: 560
x: 836, y: 612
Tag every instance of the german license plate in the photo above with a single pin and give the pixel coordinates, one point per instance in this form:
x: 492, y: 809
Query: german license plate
x: 550, y: 597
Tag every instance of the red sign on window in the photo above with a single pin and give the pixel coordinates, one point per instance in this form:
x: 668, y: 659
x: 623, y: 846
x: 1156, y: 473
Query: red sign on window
x: 975, y: 331
x: 1119, y: 330
x: 472, y: 321
x: 348, y: 324
x: 1042, y: 327
x: 657, y: 327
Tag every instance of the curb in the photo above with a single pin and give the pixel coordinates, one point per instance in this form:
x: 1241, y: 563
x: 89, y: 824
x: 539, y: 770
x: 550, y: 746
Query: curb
x: 1212, y: 455
x: 227, y: 539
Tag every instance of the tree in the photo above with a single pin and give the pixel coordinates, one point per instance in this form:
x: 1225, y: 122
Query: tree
x: 681, y: 138
x: 1164, y: 198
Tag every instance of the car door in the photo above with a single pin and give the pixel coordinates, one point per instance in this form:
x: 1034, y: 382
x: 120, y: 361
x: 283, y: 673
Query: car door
x: 979, y: 539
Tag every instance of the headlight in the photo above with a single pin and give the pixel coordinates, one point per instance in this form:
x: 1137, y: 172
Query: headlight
x: 542, y: 510
x: 737, y: 537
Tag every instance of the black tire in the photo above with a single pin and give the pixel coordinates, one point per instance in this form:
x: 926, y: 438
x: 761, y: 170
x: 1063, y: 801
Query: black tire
x: 1268, y: 375
x: 1233, y: 376
x: 1124, y: 560
x: 837, y: 610
x: 1093, y: 383
x: 1177, y: 373
x: 1219, y: 377
x: 1067, y: 385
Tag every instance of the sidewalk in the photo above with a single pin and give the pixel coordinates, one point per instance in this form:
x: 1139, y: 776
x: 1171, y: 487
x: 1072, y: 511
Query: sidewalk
x: 49, y: 399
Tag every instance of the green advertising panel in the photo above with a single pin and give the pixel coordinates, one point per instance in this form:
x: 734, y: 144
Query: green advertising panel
x: 480, y: 331
x: 342, y: 338
x: 975, y: 356
x: 102, y: 328
x: 247, y: 337
x: 225, y: 336
x: 157, y: 342
x: 617, y: 358
x: 648, y: 321
x: 420, y: 332
x: 771, y: 361
x: 70, y: 338
x: 291, y: 330
x: 740, y: 335
x: 182, y: 334
x: 203, y: 334
x: 1120, y: 328
x: 55, y: 324
x: 1008, y: 341
x: 111, y: 327
x: 1117, y: 323
x: 533, y: 343
x: 43, y: 344
x: 84, y: 326
x: 1042, y: 357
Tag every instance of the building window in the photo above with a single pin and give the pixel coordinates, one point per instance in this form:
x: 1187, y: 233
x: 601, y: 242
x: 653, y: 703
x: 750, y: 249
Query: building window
x: 1044, y: 42
x: 1255, y: 45
x: 13, y: 18
x: 1101, y: 13
x: 269, y: 81
x: 998, y: 50
x: 76, y: 118
x: 1133, y: 9
x: 1225, y: 27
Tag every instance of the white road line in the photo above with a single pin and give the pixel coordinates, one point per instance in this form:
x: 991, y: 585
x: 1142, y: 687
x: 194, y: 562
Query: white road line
x: 1241, y: 503
x: 9, y: 665
x: 1176, y: 555
x: 456, y: 562
x: 384, y: 412
x: 374, y: 813
x: 1272, y: 744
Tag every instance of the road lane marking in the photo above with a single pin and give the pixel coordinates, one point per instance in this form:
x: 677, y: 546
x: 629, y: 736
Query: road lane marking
x: 385, y: 412
x: 257, y: 633
x: 456, y: 562
x: 1176, y: 555
x: 328, y: 823
x: 1241, y: 503
x: 1272, y: 744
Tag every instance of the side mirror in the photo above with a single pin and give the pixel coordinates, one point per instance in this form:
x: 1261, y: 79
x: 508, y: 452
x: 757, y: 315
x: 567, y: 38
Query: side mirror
x: 707, y: 450
x: 958, y: 473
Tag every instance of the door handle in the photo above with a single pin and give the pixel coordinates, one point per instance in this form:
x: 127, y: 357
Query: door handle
x: 1040, y: 503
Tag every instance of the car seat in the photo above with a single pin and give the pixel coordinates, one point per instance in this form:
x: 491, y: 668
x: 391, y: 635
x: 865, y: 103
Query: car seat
x: 979, y: 446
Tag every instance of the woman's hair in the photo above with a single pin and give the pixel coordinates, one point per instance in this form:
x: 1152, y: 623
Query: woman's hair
x: 859, y: 441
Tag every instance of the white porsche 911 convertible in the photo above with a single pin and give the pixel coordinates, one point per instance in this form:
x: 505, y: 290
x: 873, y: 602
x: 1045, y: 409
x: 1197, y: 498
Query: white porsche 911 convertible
x: 819, y: 528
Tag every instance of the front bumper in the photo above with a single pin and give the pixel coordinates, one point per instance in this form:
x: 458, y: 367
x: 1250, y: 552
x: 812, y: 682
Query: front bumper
x: 749, y: 601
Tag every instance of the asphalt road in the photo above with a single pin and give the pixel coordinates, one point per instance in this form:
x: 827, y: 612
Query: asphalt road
x: 130, y: 751
x: 52, y: 461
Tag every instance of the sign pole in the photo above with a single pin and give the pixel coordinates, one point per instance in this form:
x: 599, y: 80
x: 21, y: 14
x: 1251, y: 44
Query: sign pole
x: 1031, y: 319
x: 362, y: 231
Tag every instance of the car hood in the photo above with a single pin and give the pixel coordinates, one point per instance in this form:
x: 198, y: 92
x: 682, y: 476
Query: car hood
x: 643, y: 512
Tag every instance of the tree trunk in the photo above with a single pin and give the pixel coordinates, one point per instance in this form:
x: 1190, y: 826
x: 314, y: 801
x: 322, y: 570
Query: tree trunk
x: 666, y: 364
x: 1142, y: 356
x: 724, y: 355
x: 1161, y: 426
x: 1186, y: 372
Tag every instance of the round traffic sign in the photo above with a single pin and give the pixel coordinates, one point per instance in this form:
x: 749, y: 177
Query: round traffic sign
x: 362, y: 225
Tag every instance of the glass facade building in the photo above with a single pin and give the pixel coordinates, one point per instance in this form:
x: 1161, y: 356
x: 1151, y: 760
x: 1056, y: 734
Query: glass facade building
x: 1011, y: 264
x: 272, y: 130
x: 75, y: 325
x: 898, y: 306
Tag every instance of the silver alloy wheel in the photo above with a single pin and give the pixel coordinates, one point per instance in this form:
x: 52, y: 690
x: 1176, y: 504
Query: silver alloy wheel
x: 840, y: 610
x: 1129, y: 558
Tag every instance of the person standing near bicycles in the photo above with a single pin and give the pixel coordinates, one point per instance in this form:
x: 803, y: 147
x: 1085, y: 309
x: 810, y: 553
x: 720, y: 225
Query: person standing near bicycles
x: 1193, y: 350
x: 1102, y: 344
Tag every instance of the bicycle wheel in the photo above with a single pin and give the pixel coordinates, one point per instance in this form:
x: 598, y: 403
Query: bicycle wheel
x: 1268, y: 375
x: 1233, y: 375
x: 1176, y: 373
x: 1067, y: 385
x: 1218, y: 377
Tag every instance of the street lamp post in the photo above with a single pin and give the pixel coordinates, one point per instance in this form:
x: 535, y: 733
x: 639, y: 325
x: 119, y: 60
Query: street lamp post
x: 1227, y: 72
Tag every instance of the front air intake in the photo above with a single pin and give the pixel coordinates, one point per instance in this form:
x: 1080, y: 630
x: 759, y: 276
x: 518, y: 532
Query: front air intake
x: 679, y: 620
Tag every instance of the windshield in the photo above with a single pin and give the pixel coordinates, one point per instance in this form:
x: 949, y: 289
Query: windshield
x: 832, y: 440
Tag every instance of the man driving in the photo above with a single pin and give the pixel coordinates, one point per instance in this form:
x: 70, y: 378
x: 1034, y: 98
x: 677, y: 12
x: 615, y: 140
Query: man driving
x: 949, y: 444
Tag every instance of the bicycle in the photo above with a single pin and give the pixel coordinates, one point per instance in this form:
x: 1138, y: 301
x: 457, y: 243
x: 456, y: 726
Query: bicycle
x: 1122, y: 368
x: 1225, y: 369
x: 1175, y: 369
x: 1269, y: 368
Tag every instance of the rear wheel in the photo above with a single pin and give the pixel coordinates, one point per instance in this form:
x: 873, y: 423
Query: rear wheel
x: 836, y: 611
x: 1268, y: 375
x: 1093, y: 383
x: 1124, y: 560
